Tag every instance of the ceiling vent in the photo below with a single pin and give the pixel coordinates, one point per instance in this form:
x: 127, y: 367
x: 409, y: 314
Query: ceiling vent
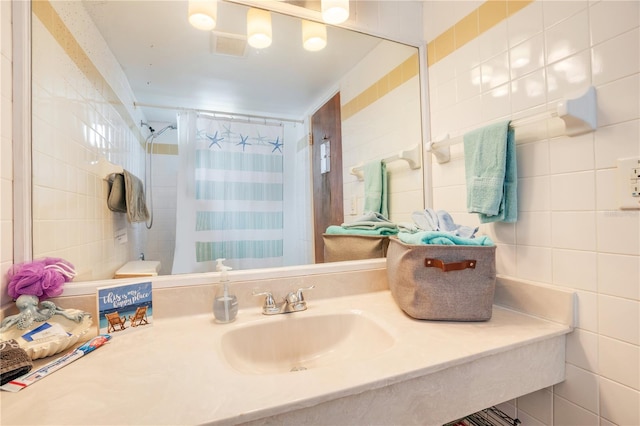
x: 228, y: 44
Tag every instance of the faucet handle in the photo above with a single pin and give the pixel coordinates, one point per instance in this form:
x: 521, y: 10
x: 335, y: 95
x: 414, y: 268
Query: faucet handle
x: 299, y: 293
x: 270, y: 305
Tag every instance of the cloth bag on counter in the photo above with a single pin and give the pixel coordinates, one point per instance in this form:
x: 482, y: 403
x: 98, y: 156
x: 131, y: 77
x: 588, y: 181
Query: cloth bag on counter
x: 442, y: 282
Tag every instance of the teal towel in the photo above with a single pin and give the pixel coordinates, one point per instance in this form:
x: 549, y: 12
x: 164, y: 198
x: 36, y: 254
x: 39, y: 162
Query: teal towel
x: 376, y: 192
x: 491, y: 173
x: 339, y: 230
x: 443, y: 238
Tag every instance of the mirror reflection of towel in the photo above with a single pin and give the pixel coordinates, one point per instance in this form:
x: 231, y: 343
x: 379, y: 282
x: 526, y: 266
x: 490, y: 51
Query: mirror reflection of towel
x: 126, y: 195
x: 376, y: 192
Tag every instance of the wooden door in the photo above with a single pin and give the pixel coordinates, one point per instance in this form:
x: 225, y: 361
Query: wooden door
x: 327, y: 187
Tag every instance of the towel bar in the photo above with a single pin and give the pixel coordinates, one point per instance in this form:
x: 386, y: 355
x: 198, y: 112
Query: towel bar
x: 411, y: 156
x: 578, y: 114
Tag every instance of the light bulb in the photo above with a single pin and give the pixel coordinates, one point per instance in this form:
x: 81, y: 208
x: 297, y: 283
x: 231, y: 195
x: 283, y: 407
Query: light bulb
x: 314, y: 36
x: 203, y: 14
x: 258, y: 28
x: 335, y: 11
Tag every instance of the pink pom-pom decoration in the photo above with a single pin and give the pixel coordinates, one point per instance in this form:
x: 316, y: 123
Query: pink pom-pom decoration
x: 43, y: 278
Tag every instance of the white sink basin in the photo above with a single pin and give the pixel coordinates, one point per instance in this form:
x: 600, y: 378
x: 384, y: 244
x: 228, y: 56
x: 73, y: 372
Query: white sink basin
x: 294, y: 342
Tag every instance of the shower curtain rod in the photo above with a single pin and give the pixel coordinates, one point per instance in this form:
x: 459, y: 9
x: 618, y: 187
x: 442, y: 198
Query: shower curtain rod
x: 227, y: 115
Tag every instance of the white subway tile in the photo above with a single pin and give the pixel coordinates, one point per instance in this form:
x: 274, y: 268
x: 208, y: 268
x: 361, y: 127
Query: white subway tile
x: 533, y: 159
x: 566, y: 413
x: 568, y: 76
x: 468, y: 84
x: 496, y: 104
x: 582, y: 350
x: 620, y: 362
x: 493, y: 41
x: 467, y: 57
x: 619, y: 318
x: 575, y: 269
x: 573, y: 191
x: 528, y: 91
x: 527, y: 56
x: 495, y: 71
x: 614, y: 103
x: 606, y: 194
x: 571, y: 37
x: 534, y: 229
x: 573, y: 230
x: 619, y: 404
x: 587, y: 311
x: 446, y: 94
x: 534, y: 263
x: 500, y: 232
x: 618, y: 232
x: 616, y: 58
x: 625, y: 15
x: 580, y: 387
x: 525, y: 24
x: 538, y: 404
x: 557, y: 11
x: 617, y: 141
x: 618, y: 275
x: 571, y: 153
x: 534, y: 194
x: 506, y: 259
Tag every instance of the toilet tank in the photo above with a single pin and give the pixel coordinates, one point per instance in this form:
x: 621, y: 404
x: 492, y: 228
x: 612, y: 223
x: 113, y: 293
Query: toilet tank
x: 138, y: 268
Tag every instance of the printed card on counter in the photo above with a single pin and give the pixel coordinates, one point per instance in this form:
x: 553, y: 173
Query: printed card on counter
x: 125, y: 308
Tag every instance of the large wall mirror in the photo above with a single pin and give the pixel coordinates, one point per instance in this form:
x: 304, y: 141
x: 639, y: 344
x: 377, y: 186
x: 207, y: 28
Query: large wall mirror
x: 131, y: 85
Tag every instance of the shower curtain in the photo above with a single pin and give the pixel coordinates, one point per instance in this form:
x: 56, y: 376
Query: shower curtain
x: 229, y: 194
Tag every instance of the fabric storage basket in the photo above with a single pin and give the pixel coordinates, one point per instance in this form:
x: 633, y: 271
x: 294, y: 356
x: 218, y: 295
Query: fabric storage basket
x: 339, y: 247
x: 442, y: 282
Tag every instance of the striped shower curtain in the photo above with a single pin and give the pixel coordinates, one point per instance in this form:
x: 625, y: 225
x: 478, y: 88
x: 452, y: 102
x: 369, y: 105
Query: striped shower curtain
x: 230, y: 197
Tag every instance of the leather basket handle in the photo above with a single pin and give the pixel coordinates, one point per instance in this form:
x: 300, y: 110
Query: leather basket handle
x: 446, y: 267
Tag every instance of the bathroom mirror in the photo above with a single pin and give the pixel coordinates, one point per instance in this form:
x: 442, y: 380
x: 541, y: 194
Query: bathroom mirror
x: 79, y: 98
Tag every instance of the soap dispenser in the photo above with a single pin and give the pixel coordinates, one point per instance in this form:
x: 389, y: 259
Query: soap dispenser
x: 225, y: 305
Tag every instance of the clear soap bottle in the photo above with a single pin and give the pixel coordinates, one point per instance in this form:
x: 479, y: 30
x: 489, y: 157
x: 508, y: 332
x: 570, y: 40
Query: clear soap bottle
x: 225, y: 304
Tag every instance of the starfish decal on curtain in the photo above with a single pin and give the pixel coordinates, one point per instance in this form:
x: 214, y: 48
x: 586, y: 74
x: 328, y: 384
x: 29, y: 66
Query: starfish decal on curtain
x: 259, y: 138
x: 214, y: 139
x: 227, y: 130
x: 276, y: 145
x: 243, y: 142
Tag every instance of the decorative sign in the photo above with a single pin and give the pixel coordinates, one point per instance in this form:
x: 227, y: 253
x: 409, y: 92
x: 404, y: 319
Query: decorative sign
x: 123, y: 308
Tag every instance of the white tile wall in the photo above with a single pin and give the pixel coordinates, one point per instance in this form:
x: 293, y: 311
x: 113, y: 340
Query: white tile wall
x: 6, y: 150
x: 73, y: 126
x: 570, y: 232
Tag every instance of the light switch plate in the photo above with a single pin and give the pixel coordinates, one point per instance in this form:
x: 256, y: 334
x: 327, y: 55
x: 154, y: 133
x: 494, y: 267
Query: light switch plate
x: 628, y: 182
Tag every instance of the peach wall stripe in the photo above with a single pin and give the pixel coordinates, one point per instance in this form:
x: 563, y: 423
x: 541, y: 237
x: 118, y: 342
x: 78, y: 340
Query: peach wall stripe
x: 396, y: 77
x: 485, y: 17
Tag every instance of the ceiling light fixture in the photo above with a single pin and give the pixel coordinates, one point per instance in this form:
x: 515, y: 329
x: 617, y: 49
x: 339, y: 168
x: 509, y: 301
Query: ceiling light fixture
x: 258, y: 28
x: 314, y: 36
x: 334, y: 11
x: 203, y: 14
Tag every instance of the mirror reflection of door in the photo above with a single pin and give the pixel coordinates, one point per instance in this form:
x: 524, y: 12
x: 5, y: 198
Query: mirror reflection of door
x: 327, y: 187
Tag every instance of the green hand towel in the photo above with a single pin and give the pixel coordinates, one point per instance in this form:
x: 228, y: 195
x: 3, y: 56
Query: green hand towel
x: 491, y: 173
x: 375, y: 188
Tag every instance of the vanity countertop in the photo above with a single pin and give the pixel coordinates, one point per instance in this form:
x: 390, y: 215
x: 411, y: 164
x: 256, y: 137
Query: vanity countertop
x: 173, y: 372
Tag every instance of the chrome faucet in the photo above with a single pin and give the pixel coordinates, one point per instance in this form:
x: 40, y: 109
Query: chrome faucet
x: 293, y: 302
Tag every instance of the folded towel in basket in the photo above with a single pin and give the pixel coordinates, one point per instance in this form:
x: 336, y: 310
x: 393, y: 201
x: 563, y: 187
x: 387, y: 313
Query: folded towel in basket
x: 443, y: 238
x: 341, y: 230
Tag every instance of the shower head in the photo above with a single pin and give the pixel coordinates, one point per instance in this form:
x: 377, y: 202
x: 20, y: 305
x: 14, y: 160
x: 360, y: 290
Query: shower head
x: 164, y: 129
